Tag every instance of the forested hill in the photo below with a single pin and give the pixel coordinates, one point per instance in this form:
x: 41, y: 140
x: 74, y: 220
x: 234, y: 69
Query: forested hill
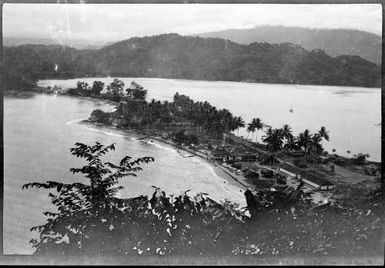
x: 175, y: 56
x: 335, y: 42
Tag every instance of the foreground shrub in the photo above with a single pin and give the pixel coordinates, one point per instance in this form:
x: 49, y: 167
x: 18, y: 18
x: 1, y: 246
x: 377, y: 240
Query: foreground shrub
x: 90, y: 220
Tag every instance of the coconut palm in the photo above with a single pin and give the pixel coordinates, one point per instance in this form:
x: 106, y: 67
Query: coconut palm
x: 315, y: 144
x: 251, y: 128
x: 324, y: 133
x: 274, y: 139
x: 287, y: 133
x: 257, y: 122
x: 237, y: 123
x: 304, y: 140
x: 291, y: 144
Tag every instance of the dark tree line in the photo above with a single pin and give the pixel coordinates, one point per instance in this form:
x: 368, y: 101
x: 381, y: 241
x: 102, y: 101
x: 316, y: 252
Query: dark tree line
x: 135, y: 111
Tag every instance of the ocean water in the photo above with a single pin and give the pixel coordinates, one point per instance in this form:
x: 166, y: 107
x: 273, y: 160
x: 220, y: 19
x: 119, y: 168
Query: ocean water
x: 38, y: 132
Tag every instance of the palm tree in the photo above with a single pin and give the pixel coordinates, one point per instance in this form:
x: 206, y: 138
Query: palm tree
x: 304, y: 139
x: 291, y: 144
x: 268, y: 132
x: 274, y: 139
x: 315, y: 143
x: 324, y: 133
x: 237, y: 123
x: 258, y: 125
x: 287, y: 133
x: 251, y: 128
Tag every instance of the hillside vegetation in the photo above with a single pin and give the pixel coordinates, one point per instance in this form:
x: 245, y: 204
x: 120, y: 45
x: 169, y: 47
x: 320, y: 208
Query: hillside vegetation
x: 175, y: 56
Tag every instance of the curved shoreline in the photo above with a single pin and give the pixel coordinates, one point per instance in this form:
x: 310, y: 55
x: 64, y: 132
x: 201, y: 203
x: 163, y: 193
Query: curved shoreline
x: 219, y: 171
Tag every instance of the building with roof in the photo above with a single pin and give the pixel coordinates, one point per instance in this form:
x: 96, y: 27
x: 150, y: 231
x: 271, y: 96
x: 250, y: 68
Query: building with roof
x: 316, y: 182
x: 310, y: 178
x: 290, y: 170
x: 218, y: 154
x: 239, y: 154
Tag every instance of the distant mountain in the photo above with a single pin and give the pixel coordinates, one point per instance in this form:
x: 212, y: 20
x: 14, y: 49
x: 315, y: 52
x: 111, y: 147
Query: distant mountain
x: 335, y: 42
x: 183, y: 57
x: 79, y: 44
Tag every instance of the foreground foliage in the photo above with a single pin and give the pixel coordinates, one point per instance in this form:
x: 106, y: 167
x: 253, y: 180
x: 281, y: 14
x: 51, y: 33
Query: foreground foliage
x: 91, y: 221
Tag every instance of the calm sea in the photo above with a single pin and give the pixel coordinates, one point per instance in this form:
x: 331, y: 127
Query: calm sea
x: 38, y: 132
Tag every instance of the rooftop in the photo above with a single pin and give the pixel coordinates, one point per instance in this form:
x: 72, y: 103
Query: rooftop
x: 315, y: 178
x: 291, y: 168
x: 219, y: 152
x: 239, y: 151
x: 309, y: 175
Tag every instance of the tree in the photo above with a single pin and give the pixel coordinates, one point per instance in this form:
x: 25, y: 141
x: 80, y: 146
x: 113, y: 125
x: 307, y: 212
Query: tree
x: 324, y: 133
x: 256, y: 124
x: 287, y: 133
x: 237, y: 123
x: 136, y: 92
x: 182, y: 138
x: 274, y: 139
x: 251, y: 128
x: 99, y: 116
x: 115, y: 89
x: 304, y: 140
x: 315, y: 146
x: 360, y: 158
x: 91, y: 221
x: 82, y: 88
x: 291, y: 144
x: 97, y: 87
x: 87, y: 217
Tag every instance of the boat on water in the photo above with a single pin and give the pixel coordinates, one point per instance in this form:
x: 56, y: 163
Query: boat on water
x: 291, y: 109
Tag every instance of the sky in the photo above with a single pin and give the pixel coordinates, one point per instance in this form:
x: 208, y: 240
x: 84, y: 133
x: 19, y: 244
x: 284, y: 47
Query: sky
x: 113, y: 22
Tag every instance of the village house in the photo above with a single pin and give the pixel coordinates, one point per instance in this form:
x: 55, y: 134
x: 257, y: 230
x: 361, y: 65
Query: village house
x: 267, y: 173
x: 316, y: 182
x: 309, y: 178
x: 324, y: 159
x: 290, y: 170
x: 296, y: 153
x: 268, y: 159
x: 252, y: 174
x: 218, y: 154
x: 282, y: 188
x: 239, y: 154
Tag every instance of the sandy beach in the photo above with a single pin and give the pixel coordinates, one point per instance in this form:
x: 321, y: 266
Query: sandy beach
x: 227, y: 176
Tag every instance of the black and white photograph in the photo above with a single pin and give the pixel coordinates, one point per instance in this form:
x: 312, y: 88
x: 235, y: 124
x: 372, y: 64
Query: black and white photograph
x: 192, y: 133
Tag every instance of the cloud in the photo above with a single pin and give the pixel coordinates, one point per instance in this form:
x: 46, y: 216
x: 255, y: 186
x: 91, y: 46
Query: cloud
x: 111, y: 22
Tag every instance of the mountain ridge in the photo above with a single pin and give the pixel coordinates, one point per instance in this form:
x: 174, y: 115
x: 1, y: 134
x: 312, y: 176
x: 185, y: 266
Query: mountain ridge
x: 335, y: 42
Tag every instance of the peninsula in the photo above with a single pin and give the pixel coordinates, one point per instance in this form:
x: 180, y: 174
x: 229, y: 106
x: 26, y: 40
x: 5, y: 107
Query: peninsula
x: 281, y: 162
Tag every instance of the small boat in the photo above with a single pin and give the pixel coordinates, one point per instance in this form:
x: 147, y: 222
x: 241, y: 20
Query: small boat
x: 291, y: 109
